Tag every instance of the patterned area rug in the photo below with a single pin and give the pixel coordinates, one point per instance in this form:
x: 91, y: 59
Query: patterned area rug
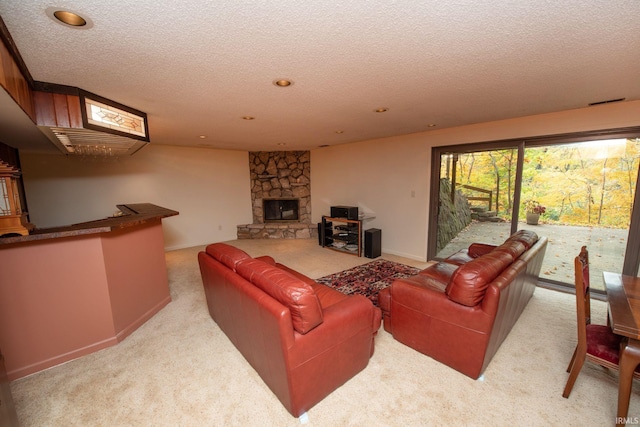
x: 368, y: 279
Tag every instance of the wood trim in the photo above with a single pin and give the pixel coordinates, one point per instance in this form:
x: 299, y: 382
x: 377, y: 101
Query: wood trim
x: 45, y: 113
x: 541, y: 140
x: 11, y: 47
x: 61, y: 110
x: 14, y: 75
x: 55, y: 88
x: 632, y: 251
x: 58, y: 110
x: 75, y: 112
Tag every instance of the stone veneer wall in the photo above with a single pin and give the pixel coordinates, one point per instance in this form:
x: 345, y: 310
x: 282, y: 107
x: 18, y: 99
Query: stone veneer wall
x: 452, y: 217
x: 279, y: 175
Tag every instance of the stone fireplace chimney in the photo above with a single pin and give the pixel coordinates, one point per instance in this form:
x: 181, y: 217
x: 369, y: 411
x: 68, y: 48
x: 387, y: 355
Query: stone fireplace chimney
x: 279, y: 175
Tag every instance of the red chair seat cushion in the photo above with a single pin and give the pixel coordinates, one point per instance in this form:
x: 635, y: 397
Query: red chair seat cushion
x: 603, y: 344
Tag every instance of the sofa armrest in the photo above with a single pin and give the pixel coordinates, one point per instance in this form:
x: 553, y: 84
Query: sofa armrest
x: 343, y: 321
x: 420, y: 295
x: 329, y: 355
x: 327, y: 295
x: 353, y: 313
x: 478, y: 249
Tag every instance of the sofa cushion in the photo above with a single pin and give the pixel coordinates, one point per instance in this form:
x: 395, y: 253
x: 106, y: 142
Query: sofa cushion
x: 528, y: 237
x: 470, y: 281
x: 458, y: 258
x: 227, y: 254
x: 296, y: 295
x: 515, y: 248
x: 326, y: 295
x: 478, y: 249
x: 440, y: 272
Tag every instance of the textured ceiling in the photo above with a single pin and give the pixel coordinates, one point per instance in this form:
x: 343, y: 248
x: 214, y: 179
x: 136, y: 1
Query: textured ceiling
x: 197, y: 67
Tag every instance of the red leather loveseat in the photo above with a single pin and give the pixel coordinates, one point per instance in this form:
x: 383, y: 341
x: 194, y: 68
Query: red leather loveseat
x: 304, y: 339
x: 460, y: 310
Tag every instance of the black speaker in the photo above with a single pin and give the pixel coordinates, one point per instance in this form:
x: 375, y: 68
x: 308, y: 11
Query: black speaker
x: 325, y: 236
x: 349, y: 212
x: 372, y: 243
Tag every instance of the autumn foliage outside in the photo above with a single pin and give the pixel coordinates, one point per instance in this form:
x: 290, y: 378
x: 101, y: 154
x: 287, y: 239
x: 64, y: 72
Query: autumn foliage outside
x: 589, y: 183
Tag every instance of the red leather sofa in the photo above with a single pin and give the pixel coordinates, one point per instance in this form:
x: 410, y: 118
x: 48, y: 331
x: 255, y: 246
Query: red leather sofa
x: 304, y: 339
x: 460, y: 310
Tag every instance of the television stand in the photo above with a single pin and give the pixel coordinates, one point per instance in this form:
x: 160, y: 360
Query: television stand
x: 342, y: 235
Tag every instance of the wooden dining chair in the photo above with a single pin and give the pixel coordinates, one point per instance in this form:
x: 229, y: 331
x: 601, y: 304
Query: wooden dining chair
x: 596, y: 343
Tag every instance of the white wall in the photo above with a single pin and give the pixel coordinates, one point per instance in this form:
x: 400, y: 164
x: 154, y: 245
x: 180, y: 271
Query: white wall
x: 388, y: 177
x: 210, y: 189
x: 382, y: 176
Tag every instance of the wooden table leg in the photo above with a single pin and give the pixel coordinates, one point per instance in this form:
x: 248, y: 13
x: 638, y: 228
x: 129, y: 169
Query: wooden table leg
x: 629, y: 360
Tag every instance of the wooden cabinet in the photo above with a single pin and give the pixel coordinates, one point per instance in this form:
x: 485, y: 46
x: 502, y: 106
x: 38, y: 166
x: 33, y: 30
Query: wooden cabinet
x: 341, y: 234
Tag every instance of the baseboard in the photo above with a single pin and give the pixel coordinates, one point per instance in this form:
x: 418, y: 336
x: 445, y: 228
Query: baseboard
x: 60, y: 359
x: 130, y: 328
x: 404, y: 255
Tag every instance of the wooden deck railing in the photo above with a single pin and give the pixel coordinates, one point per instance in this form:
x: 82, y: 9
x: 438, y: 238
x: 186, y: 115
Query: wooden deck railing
x: 487, y: 198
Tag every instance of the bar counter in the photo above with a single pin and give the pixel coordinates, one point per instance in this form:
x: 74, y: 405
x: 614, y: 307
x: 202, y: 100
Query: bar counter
x: 132, y: 215
x: 66, y: 292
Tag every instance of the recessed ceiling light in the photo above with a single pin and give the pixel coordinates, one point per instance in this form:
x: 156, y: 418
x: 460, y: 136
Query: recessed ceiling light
x: 68, y: 18
x: 202, y: 136
x: 281, y: 144
x: 282, y: 82
x: 431, y: 125
x: 339, y: 131
x: 248, y: 118
x: 381, y: 110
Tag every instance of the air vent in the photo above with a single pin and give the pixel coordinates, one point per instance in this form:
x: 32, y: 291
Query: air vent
x: 607, y: 102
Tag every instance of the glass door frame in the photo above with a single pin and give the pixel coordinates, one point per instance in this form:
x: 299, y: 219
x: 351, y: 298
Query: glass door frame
x: 632, y: 251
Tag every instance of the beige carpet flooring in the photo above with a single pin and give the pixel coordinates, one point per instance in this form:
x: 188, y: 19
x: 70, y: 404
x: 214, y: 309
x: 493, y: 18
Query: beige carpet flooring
x: 179, y: 369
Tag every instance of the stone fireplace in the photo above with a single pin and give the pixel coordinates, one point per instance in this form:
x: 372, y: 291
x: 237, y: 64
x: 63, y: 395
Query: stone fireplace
x: 280, y: 196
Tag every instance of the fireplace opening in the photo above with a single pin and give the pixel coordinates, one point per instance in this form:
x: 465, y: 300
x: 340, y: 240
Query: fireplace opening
x: 280, y: 210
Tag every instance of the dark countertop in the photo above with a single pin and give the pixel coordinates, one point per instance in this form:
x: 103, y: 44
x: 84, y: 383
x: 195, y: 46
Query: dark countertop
x: 132, y: 215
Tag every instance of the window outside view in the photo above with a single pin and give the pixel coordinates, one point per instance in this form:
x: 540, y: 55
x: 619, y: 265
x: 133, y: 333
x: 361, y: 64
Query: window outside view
x: 575, y: 194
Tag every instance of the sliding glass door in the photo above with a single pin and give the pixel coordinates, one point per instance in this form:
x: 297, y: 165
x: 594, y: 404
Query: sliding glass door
x: 476, y: 198
x: 582, y: 188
